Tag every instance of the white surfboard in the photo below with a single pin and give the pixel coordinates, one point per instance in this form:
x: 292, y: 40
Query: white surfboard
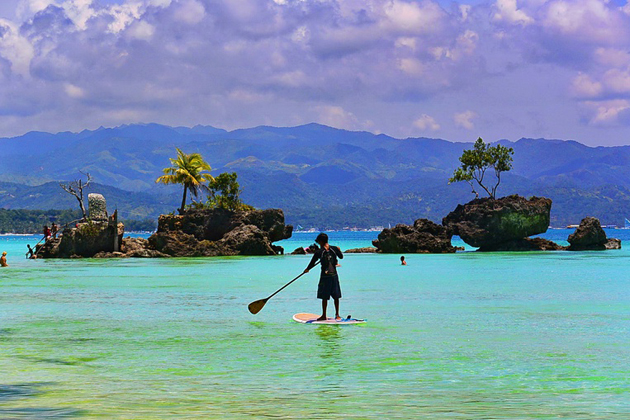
x: 306, y: 318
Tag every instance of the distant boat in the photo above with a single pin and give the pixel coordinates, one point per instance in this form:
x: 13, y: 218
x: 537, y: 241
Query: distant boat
x: 626, y: 223
x: 572, y: 226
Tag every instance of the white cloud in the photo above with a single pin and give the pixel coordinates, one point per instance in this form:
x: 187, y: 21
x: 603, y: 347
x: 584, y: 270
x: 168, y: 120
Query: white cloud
x: 507, y: 10
x: 189, y: 11
x: 411, y: 66
x: 426, y: 122
x: 465, y: 119
x: 588, y: 20
x: 27, y: 8
x: 466, y: 43
x: 606, y: 112
x: 336, y: 116
x: 464, y: 10
x: 79, y: 11
x: 415, y: 18
x: 74, y: 91
x: 612, y: 57
x: 407, y: 42
x: 141, y: 30
x: 123, y: 15
x: 618, y: 80
x: 584, y: 86
x: 15, y: 48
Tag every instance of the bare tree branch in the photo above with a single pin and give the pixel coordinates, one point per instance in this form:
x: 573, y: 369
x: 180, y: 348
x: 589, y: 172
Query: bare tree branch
x: 75, y: 188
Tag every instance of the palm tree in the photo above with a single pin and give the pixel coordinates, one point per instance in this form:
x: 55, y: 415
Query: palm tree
x: 187, y: 169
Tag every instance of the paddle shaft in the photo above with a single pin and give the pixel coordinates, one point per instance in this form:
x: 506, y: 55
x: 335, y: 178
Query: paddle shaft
x: 282, y: 288
x: 257, y: 306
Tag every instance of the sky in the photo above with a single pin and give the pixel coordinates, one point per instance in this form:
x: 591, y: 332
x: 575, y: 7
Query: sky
x: 457, y: 70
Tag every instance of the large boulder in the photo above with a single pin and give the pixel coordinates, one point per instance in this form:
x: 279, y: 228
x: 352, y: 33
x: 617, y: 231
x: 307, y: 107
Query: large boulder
x: 364, y: 250
x: 423, y: 237
x: 180, y: 244
x: 138, y: 248
x: 248, y: 240
x: 589, y: 235
x: 492, y: 223
x: 213, y: 232
x: 86, y: 239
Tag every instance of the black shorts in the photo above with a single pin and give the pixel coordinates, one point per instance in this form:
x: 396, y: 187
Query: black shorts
x: 329, y: 287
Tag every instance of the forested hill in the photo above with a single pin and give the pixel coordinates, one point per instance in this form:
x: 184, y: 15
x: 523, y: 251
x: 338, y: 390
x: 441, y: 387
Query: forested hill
x: 321, y: 176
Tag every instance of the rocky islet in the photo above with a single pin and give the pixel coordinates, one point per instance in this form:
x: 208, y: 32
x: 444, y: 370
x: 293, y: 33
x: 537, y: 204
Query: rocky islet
x: 503, y: 224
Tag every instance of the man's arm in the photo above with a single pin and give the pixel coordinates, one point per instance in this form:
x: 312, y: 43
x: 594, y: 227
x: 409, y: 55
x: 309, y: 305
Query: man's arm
x: 316, y: 257
x: 337, y: 252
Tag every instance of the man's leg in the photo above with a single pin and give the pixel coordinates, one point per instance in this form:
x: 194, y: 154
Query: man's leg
x: 324, y: 306
x: 337, y: 317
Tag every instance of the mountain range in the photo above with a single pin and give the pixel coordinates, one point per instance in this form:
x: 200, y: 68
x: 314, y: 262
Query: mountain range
x: 321, y: 176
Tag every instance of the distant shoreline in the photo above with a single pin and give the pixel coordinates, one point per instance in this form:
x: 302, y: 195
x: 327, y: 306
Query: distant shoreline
x: 303, y: 231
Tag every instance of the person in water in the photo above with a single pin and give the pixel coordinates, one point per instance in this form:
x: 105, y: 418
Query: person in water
x: 329, y: 280
x: 29, y: 253
x: 3, y: 260
x: 402, y: 260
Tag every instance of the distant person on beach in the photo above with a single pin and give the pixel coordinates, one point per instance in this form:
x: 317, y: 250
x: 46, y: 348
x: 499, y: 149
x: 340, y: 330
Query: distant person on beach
x: 29, y: 253
x: 402, y: 260
x: 3, y: 260
x: 329, y: 280
x: 54, y: 229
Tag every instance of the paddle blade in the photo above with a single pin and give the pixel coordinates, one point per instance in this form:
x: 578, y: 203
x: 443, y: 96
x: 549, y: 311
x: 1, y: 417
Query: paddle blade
x: 255, y: 307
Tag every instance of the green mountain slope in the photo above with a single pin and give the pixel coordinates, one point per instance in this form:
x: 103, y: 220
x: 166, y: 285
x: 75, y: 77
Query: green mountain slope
x: 319, y: 175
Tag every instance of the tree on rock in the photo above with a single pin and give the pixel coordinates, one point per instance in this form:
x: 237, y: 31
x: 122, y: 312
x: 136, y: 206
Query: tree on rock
x: 188, y: 170
x: 476, y: 162
x: 225, y: 193
x: 76, y: 188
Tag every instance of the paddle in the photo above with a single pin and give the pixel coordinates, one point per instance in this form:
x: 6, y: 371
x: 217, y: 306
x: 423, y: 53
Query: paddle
x: 256, y: 306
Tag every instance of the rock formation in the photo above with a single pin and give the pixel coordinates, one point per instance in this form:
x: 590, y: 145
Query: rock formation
x: 589, y: 235
x: 364, y: 250
x: 501, y: 224
x: 195, y: 233
x: 133, y: 248
x: 423, y: 237
x: 526, y: 244
x: 85, y: 239
x: 213, y: 232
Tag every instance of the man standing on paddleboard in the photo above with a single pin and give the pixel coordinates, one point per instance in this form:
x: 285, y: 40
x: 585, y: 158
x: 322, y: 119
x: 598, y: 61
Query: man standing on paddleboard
x: 328, y: 281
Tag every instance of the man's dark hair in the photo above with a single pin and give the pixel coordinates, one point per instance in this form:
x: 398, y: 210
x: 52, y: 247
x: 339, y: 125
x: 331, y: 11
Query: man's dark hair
x: 322, y: 238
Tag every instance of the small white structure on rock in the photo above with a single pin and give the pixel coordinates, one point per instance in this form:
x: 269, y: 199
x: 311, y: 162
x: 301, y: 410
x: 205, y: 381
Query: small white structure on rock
x: 97, y: 207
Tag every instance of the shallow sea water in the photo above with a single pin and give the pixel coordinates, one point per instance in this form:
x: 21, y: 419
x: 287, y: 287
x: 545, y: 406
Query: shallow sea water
x: 463, y: 336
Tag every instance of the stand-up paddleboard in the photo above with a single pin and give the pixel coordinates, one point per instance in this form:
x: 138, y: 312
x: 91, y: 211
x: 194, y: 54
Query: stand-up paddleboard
x: 305, y: 318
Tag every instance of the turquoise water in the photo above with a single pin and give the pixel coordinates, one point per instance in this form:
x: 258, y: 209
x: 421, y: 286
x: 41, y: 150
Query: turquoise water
x: 463, y: 336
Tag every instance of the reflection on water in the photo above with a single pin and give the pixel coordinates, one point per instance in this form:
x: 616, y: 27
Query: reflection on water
x: 329, y: 334
x: 331, y: 362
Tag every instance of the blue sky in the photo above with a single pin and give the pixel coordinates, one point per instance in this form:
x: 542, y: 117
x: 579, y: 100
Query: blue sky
x: 446, y: 69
